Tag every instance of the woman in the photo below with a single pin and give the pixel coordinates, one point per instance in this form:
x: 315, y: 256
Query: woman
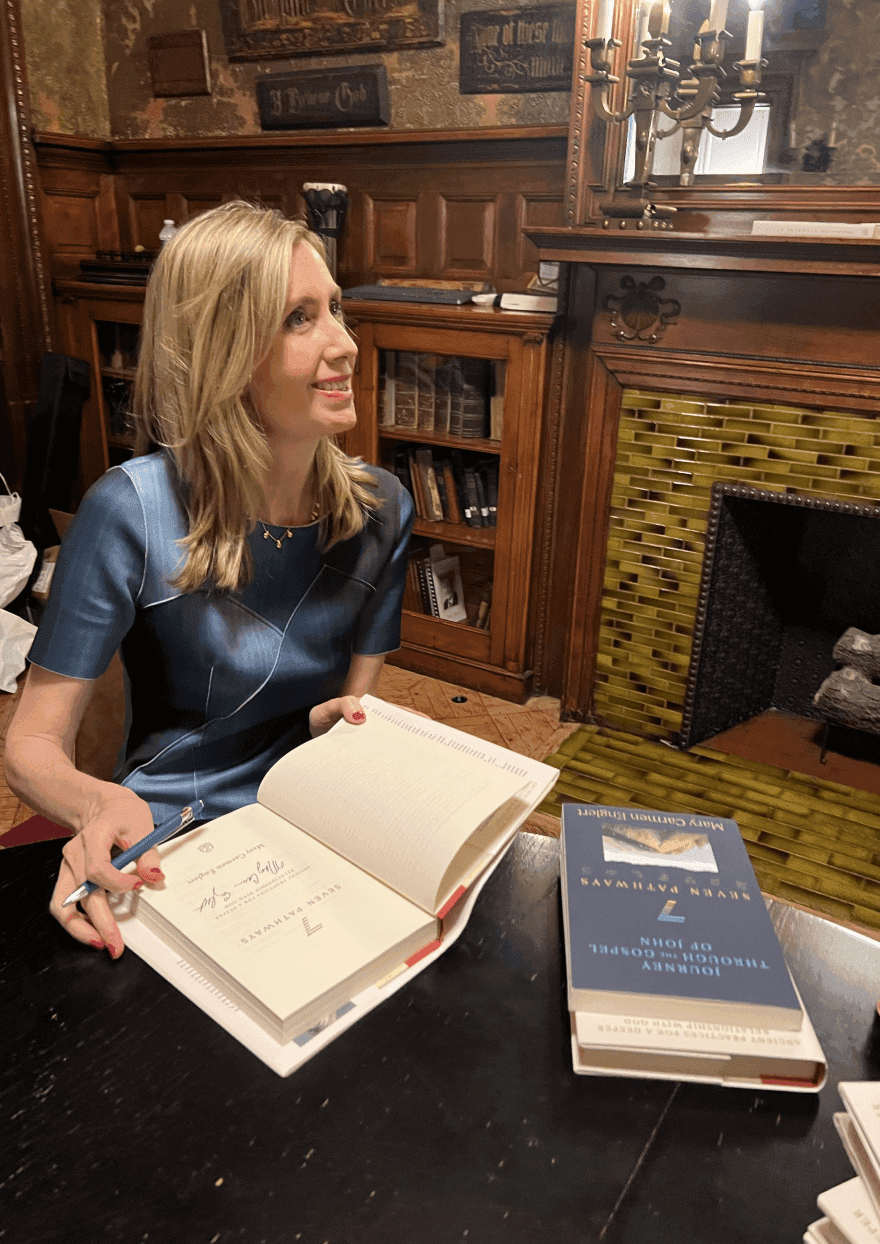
x: 249, y: 572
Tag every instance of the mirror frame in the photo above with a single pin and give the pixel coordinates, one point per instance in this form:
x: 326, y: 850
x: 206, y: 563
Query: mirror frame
x: 595, y: 155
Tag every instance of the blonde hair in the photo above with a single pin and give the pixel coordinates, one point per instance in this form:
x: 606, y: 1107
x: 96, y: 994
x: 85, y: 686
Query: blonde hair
x: 214, y: 303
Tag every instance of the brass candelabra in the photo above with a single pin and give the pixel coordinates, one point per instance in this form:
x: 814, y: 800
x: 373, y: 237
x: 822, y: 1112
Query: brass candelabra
x: 660, y: 89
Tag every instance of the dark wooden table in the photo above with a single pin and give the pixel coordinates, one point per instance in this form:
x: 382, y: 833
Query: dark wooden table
x: 450, y: 1113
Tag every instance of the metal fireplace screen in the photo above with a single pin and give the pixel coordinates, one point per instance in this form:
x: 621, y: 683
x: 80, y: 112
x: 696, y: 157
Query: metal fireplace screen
x: 783, y: 577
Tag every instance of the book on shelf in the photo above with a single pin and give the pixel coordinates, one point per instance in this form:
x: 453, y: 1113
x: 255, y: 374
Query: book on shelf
x: 387, y: 364
x: 664, y: 919
x: 448, y: 592
x: 432, y: 505
x: 449, y: 496
x: 426, y: 367
x: 529, y: 301
x: 469, y: 395
x: 406, y: 393
x: 465, y: 501
x: 496, y: 400
x: 725, y: 1054
x: 355, y: 868
x: 442, y: 372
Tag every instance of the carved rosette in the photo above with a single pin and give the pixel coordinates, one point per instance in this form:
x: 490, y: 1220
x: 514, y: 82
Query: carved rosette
x: 640, y: 313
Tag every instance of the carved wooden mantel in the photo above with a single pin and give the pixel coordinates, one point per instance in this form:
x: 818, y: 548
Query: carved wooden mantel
x: 785, y: 321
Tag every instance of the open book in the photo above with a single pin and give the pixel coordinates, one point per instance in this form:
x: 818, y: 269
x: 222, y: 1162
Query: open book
x: 362, y: 850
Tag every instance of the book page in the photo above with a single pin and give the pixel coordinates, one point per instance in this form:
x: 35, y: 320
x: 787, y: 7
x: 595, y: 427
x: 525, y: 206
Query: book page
x: 275, y: 910
x: 409, y: 795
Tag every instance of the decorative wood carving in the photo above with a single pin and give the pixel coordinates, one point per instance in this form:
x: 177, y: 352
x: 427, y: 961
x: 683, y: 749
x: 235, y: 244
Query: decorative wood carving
x: 639, y: 313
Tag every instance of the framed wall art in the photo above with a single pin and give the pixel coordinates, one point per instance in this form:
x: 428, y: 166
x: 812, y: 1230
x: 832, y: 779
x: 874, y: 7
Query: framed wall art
x: 515, y: 51
x: 260, y: 29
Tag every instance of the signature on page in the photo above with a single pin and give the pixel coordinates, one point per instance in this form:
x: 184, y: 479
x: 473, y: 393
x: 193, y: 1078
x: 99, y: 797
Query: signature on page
x: 262, y: 872
x: 213, y: 897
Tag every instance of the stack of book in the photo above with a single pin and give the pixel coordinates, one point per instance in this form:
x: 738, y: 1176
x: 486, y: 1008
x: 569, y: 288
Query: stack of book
x: 674, y: 968
x: 434, y: 585
x: 447, y: 487
x: 852, y: 1209
x: 448, y: 396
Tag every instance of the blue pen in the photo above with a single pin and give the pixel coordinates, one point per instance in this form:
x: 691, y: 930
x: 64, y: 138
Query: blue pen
x: 179, y: 821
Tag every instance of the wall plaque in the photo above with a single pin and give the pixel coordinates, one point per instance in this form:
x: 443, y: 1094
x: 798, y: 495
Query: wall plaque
x: 258, y: 29
x: 328, y: 99
x: 513, y: 51
x: 179, y: 63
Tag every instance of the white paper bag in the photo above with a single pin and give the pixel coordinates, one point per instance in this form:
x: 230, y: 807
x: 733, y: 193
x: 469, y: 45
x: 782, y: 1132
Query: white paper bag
x: 17, y: 555
x: 10, y: 505
x: 16, y: 637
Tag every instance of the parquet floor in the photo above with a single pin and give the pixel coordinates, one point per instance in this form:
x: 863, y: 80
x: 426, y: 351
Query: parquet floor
x: 532, y: 729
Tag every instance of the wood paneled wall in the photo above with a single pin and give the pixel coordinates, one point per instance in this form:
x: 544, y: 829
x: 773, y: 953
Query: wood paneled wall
x: 422, y: 205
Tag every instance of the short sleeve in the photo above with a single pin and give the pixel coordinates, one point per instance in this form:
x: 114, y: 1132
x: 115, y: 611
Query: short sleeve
x: 378, y: 628
x: 96, y: 582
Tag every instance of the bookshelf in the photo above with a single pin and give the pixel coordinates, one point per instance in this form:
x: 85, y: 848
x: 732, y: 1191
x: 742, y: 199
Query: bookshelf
x: 499, y: 439
x: 101, y: 324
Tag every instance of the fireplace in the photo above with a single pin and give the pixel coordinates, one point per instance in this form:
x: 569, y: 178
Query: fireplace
x: 810, y: 476
x: 784, y: 575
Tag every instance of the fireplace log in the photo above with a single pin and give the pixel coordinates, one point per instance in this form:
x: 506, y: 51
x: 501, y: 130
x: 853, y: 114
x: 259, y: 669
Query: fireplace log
x: 859, y: 651
x: 849, y: 698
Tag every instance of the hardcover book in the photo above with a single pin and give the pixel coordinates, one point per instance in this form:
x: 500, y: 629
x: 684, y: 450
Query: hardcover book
x: 665, y: 1049
x: 663, y: 918
x: 859, y: 1129
x: 850, y: 1212
x: 406, y: 395
x: 293, y: 906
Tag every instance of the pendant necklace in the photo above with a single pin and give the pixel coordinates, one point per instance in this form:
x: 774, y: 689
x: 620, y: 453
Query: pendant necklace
x: 288, y: 534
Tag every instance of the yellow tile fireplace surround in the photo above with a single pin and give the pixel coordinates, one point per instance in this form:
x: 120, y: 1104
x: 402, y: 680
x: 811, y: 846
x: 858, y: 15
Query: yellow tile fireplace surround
x: 671, y: 449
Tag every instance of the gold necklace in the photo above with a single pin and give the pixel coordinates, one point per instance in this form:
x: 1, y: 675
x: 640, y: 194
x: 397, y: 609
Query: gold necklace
x: 288, y: 534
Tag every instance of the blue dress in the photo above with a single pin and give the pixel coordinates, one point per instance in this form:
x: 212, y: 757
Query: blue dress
x: 219, y: 684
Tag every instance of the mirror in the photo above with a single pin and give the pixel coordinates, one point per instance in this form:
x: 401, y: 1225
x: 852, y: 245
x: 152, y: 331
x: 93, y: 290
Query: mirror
x: 817, y: 124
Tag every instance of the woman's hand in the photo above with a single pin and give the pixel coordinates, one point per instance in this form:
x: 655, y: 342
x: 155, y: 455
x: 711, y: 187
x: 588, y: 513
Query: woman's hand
x: 119, y: 818
x: 324, y: 717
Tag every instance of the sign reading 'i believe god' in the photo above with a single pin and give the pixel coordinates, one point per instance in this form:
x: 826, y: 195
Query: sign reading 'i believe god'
x: 329, y: 99
x: 517, y: 50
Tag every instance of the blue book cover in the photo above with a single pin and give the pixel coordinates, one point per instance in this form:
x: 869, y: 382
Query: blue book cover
x: 663, y: 917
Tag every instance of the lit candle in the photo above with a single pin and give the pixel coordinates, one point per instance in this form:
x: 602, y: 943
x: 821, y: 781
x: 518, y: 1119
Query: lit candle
x: 718, y: 15
x: 604, y: 20
x: 754, y: 31
x: 642, y: 24
x: 667, y: 14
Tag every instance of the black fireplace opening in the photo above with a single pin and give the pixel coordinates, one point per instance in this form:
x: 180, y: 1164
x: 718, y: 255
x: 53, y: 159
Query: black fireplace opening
x: 783, y: 577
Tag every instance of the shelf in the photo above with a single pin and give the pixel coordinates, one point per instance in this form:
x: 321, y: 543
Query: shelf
x: 457, y: 533
x: 423, y: 437
x: 118, y: 373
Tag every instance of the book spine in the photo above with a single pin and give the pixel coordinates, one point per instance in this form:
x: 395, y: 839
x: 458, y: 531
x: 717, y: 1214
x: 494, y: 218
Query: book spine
x: 475, y: 390
x: 441, y: 396
x: 441, y: 488
x: 405, y: 391
x: 426, y: 582
x: 386, y: 389
x: 490, y: 485
x: 415, y: 476
x: 430, y: 491
x: 464, y: 501
x: 496, y: 401
x: 425, y: 380
x: 482, y: 503
x: 453, y: 512
x: 456, y: 397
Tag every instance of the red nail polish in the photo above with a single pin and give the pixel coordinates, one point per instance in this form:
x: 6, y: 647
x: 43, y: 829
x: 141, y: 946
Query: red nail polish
x: 156, y: 874
x: 137, y: 885
x: 360, y: 717
x: 110, y: 950
x: 98, y: 945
